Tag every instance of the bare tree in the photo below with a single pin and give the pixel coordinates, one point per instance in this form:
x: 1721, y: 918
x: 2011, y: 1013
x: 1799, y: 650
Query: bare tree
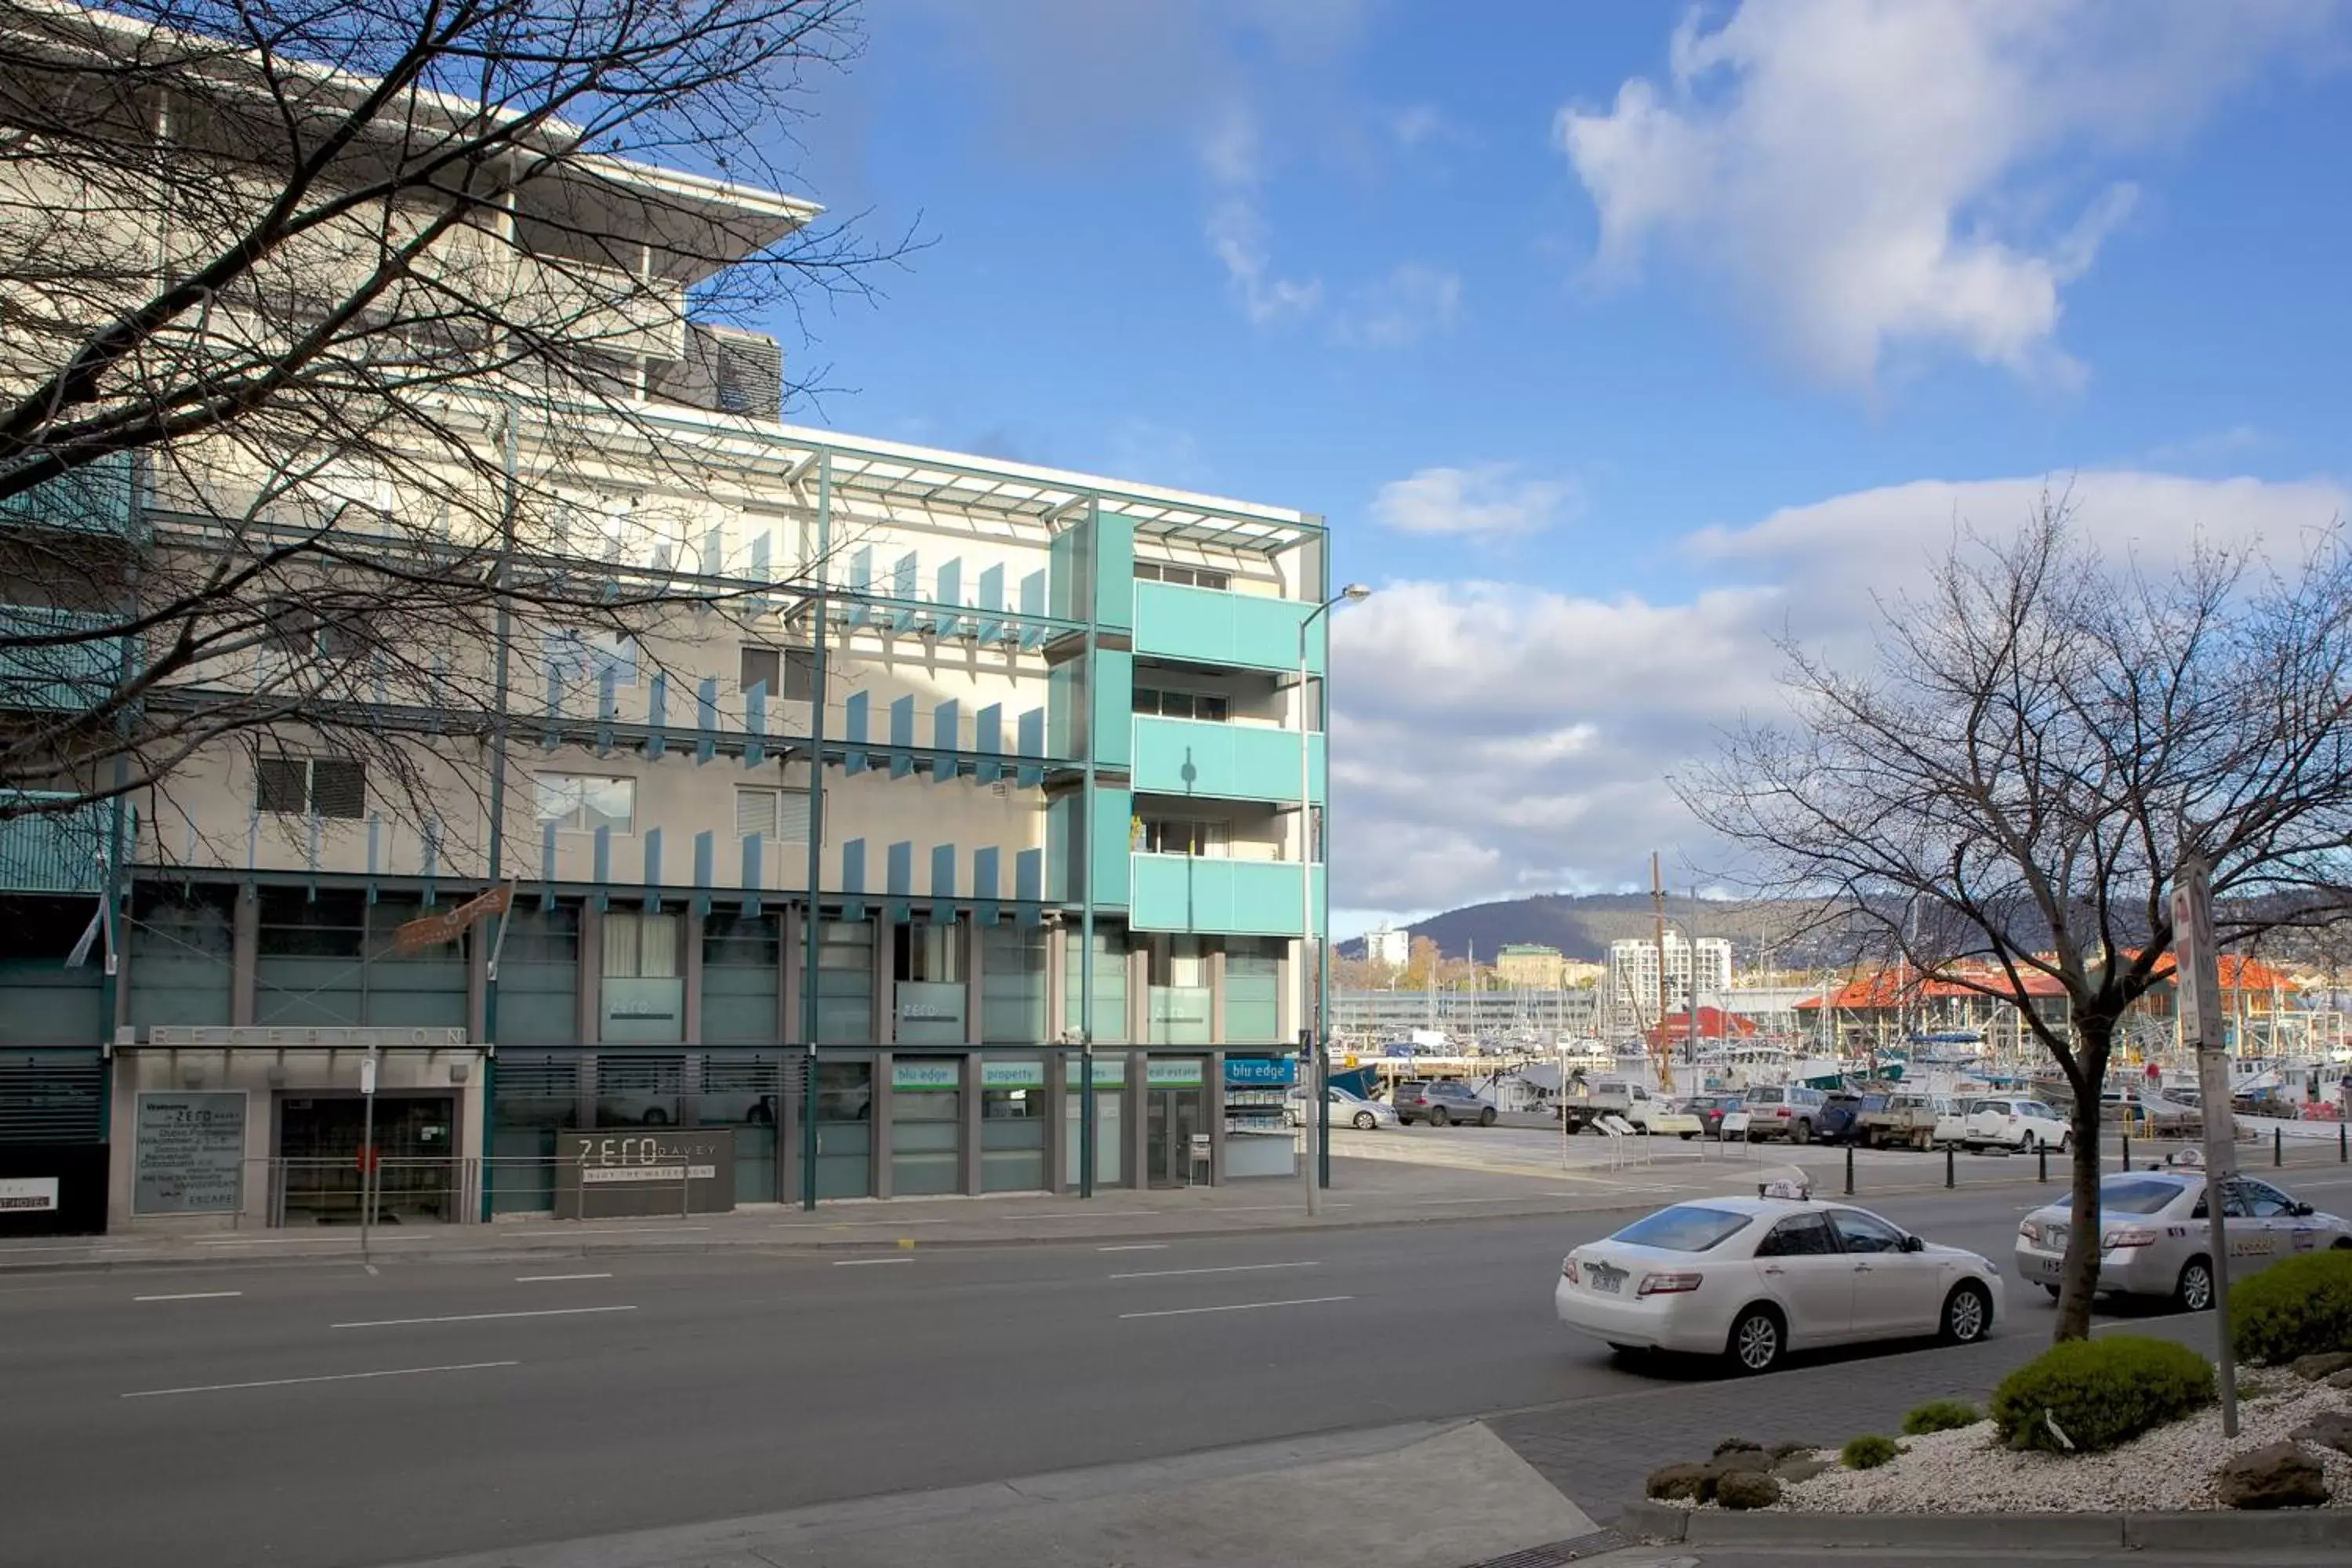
x: 2002, y: 801
x: 334, y: 346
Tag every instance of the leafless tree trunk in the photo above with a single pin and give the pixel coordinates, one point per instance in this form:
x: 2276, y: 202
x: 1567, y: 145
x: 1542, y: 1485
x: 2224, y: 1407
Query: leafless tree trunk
x: 2001, y: 802
x: 334, y: 347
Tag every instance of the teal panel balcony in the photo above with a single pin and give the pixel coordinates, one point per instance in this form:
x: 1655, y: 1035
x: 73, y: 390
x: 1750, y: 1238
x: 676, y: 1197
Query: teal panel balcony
x: 1223, y: 761
x: 1210, y: 626
x: 1203, y: 893
x: 58, y: 852
x: 97, y: 499
x: 55, y: 676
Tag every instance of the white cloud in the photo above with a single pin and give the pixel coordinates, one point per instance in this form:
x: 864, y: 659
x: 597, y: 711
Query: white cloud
x: 1412, y: 302
x: 1488, y: 500
x: 1490, y: 739
x: 1417, y: 123
x: 1872, y: 175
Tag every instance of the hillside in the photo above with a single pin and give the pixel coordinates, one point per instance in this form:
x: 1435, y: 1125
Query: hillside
x: 1584, y: 926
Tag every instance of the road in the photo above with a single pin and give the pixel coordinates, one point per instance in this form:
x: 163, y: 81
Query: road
x: 326, y: 1417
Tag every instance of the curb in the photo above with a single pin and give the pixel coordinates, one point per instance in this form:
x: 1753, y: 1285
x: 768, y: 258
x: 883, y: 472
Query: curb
x: 2218, y: 1530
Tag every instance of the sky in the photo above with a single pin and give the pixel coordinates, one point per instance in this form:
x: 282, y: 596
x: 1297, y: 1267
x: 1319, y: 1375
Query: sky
x: 1615, y: 341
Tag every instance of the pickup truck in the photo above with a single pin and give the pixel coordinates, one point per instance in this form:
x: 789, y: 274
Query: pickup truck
x: 1610, y: 1096
x: 1897, y: 1122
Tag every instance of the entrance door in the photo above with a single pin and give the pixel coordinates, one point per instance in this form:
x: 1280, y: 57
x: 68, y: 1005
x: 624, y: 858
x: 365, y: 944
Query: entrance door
x: 319, y: 1142
x: 1172, y: 1116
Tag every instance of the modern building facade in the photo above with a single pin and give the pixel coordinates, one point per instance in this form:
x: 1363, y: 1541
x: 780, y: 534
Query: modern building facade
x: 1384, y: 943
x: 1530, y: 965
x: 1633, y: 983
x: 1002, y: 770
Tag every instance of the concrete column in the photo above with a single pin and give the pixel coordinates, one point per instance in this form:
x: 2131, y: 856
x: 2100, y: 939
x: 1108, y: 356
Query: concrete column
x: 1139, y: 997
x: 689, y: 970
x: 971, y: 1132
x: 1217, y: 998
x: 588, y: 988
x: 478, y: 980
x: 885, y: 983
x: 1060, y: 1136
x: 1058, y: 1023
x: 1287, y: 998
x: 881, y: 1124
x: 244, y: 955
x: 1138, y: 1135
x: 1215, y: 1075
x: 974, y: 959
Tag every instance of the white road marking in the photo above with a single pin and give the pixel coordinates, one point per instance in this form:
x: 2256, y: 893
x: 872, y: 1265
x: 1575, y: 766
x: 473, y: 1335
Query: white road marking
x: 550, y: 1278
x: 479, y: 1317
x: 192, y: 1296
x: 330, y: 1377
x: 1226, y: 1268
x: 1238, y: 1307
x: 862, y: 1262
x: 605, y: 1230
x: 1135, y: 1246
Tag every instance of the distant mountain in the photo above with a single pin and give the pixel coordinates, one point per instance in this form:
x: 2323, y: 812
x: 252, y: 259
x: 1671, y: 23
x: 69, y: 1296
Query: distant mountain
x: 1583, y: 926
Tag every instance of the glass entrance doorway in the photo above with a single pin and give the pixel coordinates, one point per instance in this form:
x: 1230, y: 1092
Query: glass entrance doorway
x: 1172, y: 1117
x: 319, y: 1149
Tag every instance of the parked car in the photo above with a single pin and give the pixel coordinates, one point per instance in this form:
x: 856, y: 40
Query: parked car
x: 1347, y: 1110
x: 1753, y: 1279
x: 1897, y: 1120
x: 1841, y: 1118
x: 1710, y: 1110
x: 1782, y: 1110
x: 2156, y: 1235
x: 1951, y: 1121
x: 1588, y: 1103
x: 1440, y: 1101
x: 1670, y: 1119
x: 2019, y: 1125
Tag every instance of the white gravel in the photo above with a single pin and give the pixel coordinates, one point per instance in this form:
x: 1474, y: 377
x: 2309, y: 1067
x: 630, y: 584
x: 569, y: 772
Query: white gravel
x: 2173, y: 1467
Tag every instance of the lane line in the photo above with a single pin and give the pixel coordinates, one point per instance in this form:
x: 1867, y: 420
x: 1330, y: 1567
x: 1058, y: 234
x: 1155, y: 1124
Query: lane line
x: 1238, y: 1307
x: 480, y: 1317
x: 1226, y: 1268
x: 1135, y: 1246
x: 330, y: 1377
x: 864, y: 1262
x: 192, y: 1296
x: 606, y: 1230
x: 550, y: 1278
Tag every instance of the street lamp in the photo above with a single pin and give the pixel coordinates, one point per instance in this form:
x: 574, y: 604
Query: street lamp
x: 1318, y: 1124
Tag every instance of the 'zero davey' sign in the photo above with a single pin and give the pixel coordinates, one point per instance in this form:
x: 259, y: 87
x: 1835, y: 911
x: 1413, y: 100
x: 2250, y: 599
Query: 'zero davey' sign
x: 604, y: 1173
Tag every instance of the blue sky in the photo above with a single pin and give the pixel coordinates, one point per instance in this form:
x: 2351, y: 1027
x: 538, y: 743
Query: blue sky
x: 1612, y: 339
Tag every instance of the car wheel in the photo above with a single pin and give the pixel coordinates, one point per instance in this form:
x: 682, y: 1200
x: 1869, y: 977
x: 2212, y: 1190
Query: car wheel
x: 2025, y: 1143
x: 656, y: 1117
x: 1803, y: 1133
x: 1366, y: 1120
x: 2054, y: 1292
x: 1439, y: 1117
x: 1968, y: 1315
x: 1487, y: 1117
x: 2065, y: 1140
x: 1688, y: 1136
x: 2194, y: 1293
x: 1757, y: 1337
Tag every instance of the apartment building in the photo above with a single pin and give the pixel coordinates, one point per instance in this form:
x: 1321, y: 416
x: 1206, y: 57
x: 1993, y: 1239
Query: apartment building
x: 987, y: 769
x: 1384, y: 943
x: 1529, y: 965
x: 1632, y: 981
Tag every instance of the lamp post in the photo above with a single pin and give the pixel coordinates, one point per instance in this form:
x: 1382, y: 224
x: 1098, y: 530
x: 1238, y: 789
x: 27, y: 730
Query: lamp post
x: 1310, y: 1033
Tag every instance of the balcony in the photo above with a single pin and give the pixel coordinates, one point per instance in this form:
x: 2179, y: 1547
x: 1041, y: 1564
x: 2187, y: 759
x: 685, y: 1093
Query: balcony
x: 1213, y: 627
x: 59, y: 852
x: 57, y: 676
x: 97, y: 499
x: 1217, y: 761
x: 1203, y: 893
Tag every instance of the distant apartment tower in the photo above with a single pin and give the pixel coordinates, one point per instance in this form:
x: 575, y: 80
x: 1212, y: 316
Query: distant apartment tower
x: 1633, y: 977
x: 1386, y: 944
x: 1529, y: 967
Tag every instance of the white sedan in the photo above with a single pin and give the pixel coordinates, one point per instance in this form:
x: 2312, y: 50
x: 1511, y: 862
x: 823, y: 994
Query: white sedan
x: 1753, y: 1279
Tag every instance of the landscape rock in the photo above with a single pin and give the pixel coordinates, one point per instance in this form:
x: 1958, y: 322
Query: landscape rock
x: 1803, y: 1467
x: 1746, y: 1489
x: 1738, y: 1461
x: 2340, y: 1379
x: 2333, y: 1430
x: 2321, y: 1365
x: 2278, y: 1475
x: 1677, y: 1483
x: 1735, y: 1446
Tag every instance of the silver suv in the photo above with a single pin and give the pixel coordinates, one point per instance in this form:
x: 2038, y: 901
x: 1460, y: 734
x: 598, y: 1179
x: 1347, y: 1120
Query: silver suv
x: 1783, y: 1111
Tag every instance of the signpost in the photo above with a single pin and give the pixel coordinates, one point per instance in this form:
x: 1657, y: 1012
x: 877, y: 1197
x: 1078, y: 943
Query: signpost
x: 2197, y: 978
x: 367, y: 1145
x: 432, y: 931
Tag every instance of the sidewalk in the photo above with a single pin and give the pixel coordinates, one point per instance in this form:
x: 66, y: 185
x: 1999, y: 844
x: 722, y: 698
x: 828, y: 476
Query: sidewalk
x: 1364, y: 1193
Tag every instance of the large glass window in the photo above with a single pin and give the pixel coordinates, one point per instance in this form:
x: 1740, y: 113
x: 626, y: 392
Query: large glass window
x: 926, y: 1126
x: 741, y: 954
x: 582, y: 803
x: 181, y: 959
x: 1011, y: 1126
x: 639, y: 1091
x: 844, y: 982
x: 539, y: 977
x: 1180, y: 997
x: 1253, y: 990
x: 930, y: 989
x: 1109, y: 1022
x: 744, y: 1090
x: 1013, y: 984
x: 844, y: 1128
x: 644, y: 995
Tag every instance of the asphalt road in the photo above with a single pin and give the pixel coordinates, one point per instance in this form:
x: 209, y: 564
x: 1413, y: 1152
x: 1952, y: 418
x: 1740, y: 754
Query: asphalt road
x: 325, y: 1418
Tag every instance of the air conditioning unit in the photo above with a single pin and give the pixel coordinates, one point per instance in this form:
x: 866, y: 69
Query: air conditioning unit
x: 728, y: 371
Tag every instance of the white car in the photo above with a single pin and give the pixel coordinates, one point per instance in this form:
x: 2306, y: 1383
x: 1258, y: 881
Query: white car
x: 1347, y: 1110
x: 1753, y: 1279
x: 2020, y: 1125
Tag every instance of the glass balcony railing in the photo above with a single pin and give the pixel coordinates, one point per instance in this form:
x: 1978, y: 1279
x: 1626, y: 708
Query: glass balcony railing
x: 1203, y: 893
x: 1223, y: 761
x: 100, y: 498
x: 58, y: 851
x: 56, y: 660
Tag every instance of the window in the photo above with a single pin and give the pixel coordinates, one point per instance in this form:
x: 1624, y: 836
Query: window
x: 1180, y: 836
x: 789, y: 673
x: 1685, y: 1227
x: 1865, y: 1233
x: 1806, y: 1235
x: 780, y: 815
x: 1183, y: 577
x: 311, y: 786
x: 581, y: 658
x: 930, y: 952
x: 1180, y: 704
x: 2138, y: 1196
x: 582, y: 803
x: 2266, y: 1202
x: 640, y: 946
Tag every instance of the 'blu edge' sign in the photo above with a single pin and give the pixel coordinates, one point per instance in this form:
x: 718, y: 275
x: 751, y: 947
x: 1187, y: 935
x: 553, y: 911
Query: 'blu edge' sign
x: 1261, y: 1072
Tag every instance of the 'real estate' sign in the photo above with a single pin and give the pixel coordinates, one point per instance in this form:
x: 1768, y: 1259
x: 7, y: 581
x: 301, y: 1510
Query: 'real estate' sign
x: 602, y: 1175
x: 190, y: 1153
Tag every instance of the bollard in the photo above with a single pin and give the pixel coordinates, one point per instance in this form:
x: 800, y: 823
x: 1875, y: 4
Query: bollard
x: 2343, y: 1143
x: 1849, y: 1170
x: 2042, y: 1158
x: 2126, y: 1148
x: 1949, y: 1175
x: 2278, y: 1147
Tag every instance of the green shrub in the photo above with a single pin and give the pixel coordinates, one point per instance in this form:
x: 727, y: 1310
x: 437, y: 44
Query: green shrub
x: 1867, y: 1453
x: 2099, y: 1394
x: 2296, y: 1307
x: 1940, y: 1415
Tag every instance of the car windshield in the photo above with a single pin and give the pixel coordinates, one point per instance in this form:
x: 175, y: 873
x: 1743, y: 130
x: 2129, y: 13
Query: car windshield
x: 1685, y: 1227
x: 2136, y: 1197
